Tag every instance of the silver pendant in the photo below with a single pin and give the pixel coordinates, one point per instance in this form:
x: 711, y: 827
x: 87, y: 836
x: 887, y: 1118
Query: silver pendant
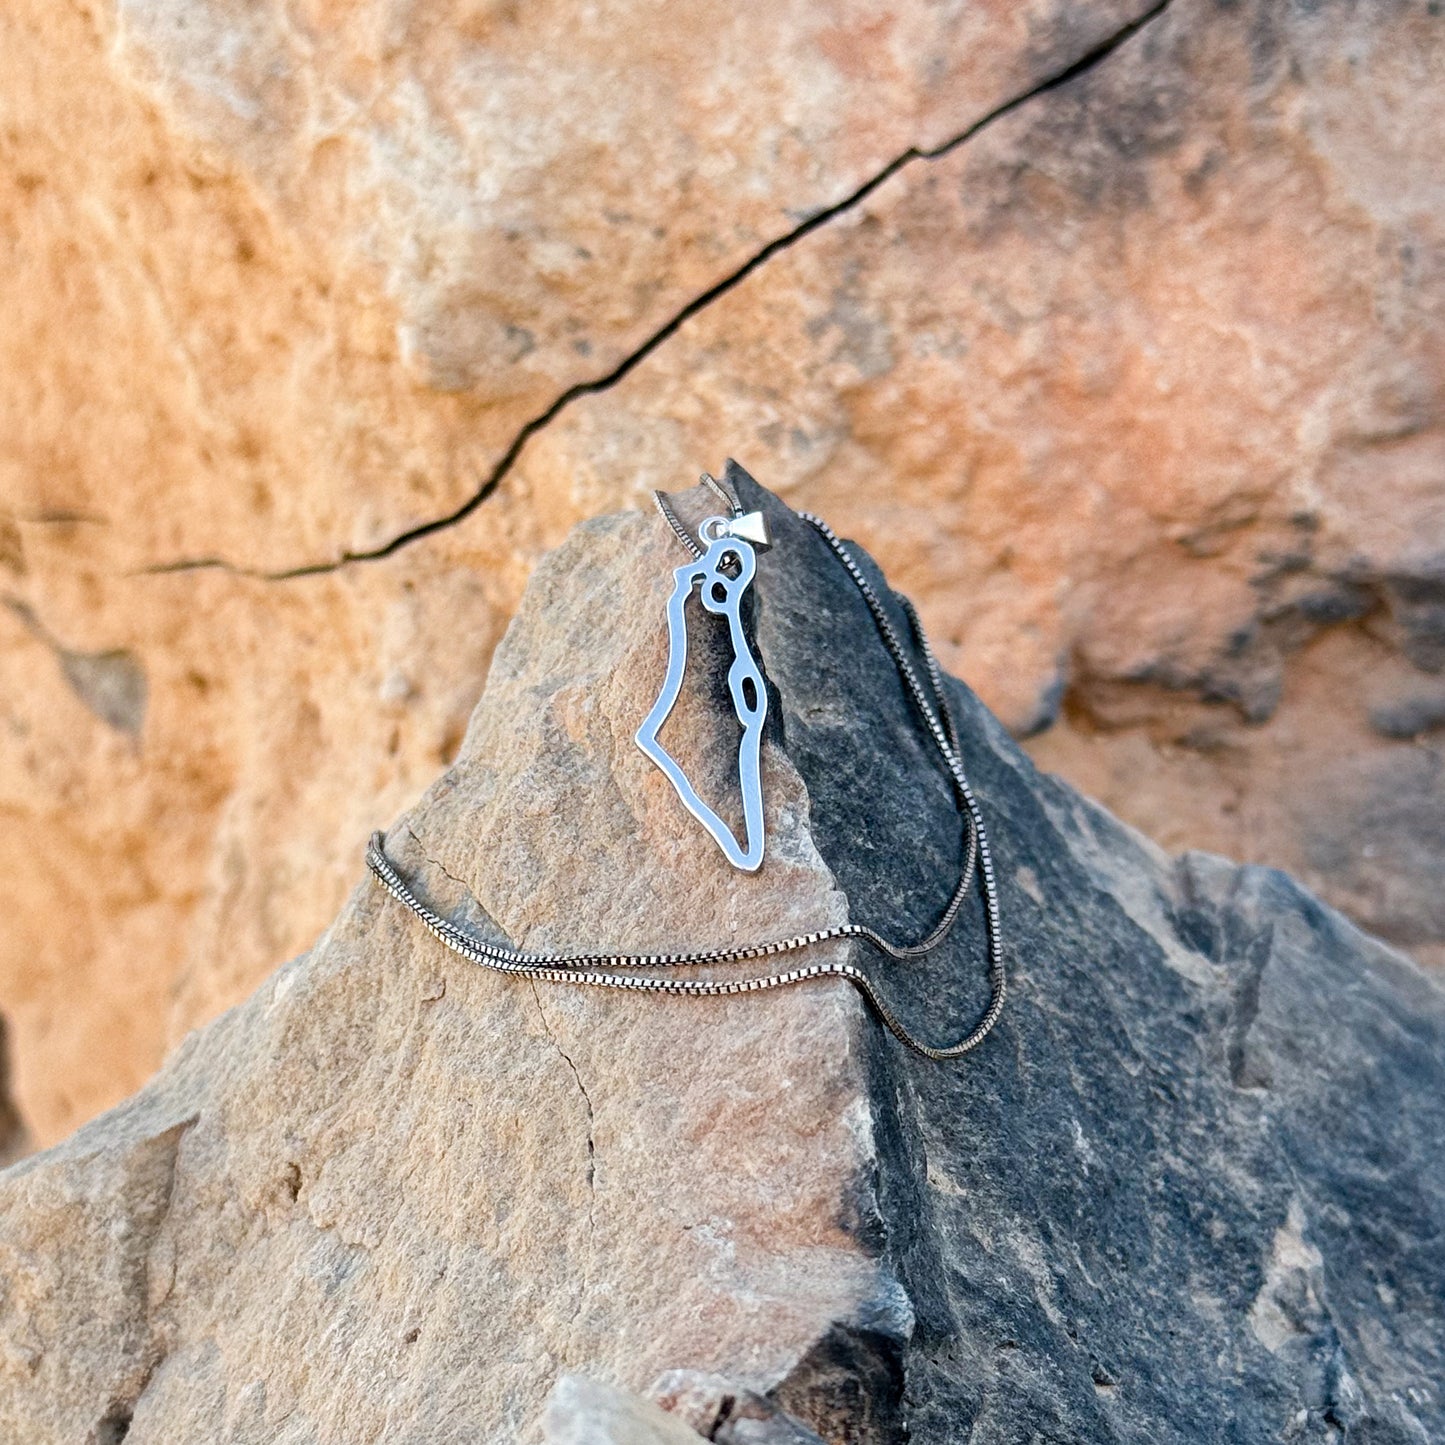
x: 729, y: 545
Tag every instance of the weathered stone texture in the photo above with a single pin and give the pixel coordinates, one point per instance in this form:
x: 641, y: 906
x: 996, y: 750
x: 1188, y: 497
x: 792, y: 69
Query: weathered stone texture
x: 1138, y: 390
x: 1191, y: 1190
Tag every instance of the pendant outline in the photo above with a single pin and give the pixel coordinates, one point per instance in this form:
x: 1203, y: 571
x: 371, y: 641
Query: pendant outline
x: 707, y: 571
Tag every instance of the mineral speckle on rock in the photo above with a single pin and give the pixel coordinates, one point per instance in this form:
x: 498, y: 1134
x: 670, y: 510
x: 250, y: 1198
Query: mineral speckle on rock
x: 1190, y: 1190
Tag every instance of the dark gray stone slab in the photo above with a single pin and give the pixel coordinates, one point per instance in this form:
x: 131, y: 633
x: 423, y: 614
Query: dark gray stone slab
x: 1193, y: 1187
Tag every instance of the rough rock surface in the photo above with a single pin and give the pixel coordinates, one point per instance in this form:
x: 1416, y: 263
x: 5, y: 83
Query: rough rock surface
x: 1192, y: 1189
x: 1133, y: 379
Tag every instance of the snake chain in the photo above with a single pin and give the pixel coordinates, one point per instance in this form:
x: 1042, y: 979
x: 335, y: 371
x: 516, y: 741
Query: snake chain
x: 600, y: 969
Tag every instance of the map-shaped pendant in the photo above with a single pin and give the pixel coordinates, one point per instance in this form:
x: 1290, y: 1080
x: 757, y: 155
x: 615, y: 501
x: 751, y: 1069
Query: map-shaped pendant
x: 728, y: 546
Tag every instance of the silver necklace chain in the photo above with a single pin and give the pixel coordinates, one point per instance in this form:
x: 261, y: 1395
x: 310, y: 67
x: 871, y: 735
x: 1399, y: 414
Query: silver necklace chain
x: 598, y: 969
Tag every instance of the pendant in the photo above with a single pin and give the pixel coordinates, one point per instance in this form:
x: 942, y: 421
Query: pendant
x: 729, y: 549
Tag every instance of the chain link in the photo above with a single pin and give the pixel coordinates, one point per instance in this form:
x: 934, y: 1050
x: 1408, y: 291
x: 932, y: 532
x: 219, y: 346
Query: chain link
x: 597, y: 968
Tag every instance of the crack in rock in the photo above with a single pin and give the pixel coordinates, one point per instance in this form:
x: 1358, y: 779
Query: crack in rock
x: 435, y: 862
x: 587, y: 1104
x: 1092, y: 57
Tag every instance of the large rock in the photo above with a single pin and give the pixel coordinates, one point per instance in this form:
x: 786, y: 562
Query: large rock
x: 1191, y: 1189
x: 1137, y: 387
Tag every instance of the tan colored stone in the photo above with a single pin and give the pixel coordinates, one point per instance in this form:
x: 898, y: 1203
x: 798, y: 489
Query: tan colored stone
x: 1138, y: 391
x: 287, y: 280
x: 392, y: 1196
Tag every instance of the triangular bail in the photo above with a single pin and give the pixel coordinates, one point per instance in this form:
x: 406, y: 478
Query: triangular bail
x: 749, y: 527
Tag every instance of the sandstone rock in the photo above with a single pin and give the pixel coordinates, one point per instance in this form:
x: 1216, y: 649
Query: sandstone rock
x: 1137, y: 389
x: 274, y: 243
x: 1191, y: 1189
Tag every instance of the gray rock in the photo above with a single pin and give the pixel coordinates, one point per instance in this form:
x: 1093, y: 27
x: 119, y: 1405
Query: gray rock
x: 1190, y: 1190
x: 1195, y: 1188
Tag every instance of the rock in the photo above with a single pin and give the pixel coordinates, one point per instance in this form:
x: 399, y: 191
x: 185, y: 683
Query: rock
x: 1136, y: 388
x: 583, y: 1412
x: 1190, y: 1189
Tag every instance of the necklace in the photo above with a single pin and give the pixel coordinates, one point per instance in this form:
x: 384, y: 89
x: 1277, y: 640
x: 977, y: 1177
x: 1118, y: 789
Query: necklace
x: 723, y: 563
